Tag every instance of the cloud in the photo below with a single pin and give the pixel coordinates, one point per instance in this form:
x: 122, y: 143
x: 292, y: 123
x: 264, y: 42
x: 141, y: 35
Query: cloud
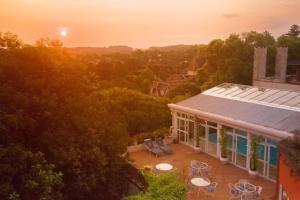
x: 230, y: 15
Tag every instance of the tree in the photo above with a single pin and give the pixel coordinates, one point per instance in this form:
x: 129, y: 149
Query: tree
x: 184, y: 89
x: 50, y: 103
x: 146, y: 114
x: 10, y: 40
x: 294, y: 31
x: 26, y: 175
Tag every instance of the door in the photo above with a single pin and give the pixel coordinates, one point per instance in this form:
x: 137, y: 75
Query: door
x: 212, y: 141
x: 201, y: 136
x: 191, y: 135
x: 240, y: 151
x: 272, y: 161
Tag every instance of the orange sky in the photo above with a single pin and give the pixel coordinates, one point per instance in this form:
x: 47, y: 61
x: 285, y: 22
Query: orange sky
x: 144, y: 23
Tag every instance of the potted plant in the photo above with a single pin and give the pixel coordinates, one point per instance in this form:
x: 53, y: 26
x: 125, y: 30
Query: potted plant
x: 253, y: 157
x: 223, y: 142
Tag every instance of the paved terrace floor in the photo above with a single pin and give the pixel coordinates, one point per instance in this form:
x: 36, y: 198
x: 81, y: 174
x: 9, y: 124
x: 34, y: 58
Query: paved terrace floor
x: 222, y: 174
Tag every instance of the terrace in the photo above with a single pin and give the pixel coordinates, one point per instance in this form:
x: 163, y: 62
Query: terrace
x: 222, y: 174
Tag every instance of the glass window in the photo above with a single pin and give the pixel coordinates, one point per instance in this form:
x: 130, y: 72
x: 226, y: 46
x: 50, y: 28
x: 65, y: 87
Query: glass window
x: 182, y: 124
x: 241, y: 145
x: 229, y: 141
x: 229, y: 129
x: 191, y: 127
x: 201, y: 121
x: 201, y: 131
x: 212, y: 124
x: 273, y: 156
x: 240, y: 132
x: 261, y: 151
x: 212, y: 135
x: 274, y: 142
x: 191, y: 117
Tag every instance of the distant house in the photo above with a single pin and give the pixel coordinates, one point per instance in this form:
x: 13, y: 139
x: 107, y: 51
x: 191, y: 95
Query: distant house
x: 269, y: 109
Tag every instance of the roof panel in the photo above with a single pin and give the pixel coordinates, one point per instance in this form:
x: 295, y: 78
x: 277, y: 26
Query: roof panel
x: 286, y: 98
x: 266, y: 94
x: 277, y: 109
x: 294, y: 101
x: 247, y: 92
x: 244, y: 111
x: 275, y: 96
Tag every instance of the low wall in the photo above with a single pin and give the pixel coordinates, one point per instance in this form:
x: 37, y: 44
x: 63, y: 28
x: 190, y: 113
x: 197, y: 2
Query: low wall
x: 140, y: 147
x: 290, y: 182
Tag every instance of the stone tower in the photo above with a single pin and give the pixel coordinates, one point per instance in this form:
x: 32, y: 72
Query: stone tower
x: 281, y: 63
x: 260, y: 63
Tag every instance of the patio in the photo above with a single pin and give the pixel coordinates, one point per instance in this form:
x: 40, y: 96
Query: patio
x: 222, y: 174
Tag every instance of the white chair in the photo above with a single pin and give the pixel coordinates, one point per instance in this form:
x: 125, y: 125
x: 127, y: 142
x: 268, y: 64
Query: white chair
x: 204, y: 172
x: 234, y: 193
x: 246, y: 196
x: 256, y: 194
x: 212, y: 187
x: 194, y: 163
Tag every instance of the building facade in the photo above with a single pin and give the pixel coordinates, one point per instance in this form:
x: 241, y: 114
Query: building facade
x: 246, y: 112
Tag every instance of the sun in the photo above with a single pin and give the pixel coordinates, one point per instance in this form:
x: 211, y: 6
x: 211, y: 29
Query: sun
x: 63, y: 33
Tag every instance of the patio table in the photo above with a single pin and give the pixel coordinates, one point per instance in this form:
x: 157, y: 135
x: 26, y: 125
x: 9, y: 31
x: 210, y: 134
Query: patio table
x: 164, y: 167
x: 245, y: 187
x: 200, y: 182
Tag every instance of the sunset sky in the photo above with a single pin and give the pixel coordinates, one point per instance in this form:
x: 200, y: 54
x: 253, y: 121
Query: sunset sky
x: 144, y: 23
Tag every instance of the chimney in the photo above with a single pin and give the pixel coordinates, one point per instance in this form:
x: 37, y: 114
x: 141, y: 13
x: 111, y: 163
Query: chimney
x: 260, y: 63
x: 281, y: 63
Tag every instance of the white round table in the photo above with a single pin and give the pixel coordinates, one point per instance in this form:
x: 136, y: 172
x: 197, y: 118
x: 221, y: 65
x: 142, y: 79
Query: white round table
x: 164, y: 167
x: 200, y: 182
x: 245, y: 187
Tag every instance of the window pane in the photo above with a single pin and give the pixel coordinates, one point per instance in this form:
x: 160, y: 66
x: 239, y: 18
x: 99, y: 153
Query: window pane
x: 201, y: 131
x: 261, y: 151
x: 273, y: 156
x: 228, y: 129
x: 201, y: 121
x: 241, y: 160
x: 229, y: 141
x: 212, y: 124
x: 182, y: 125
x: 212, y: 135
x: 240, y: 132
x: 241, y: 145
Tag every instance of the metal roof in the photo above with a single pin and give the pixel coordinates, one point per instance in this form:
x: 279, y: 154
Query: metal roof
x: 271, y: 108
x: 289, y: 100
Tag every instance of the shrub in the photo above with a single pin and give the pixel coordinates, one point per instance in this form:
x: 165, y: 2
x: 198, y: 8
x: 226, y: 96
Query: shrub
x: 163, y: 187
x: 139, y: 138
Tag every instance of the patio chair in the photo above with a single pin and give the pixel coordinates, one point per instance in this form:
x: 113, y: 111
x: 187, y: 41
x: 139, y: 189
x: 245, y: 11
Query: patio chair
x: 154, y: 170
x: 162, y: 146
x: 234, y: 193
x: 152, y: 147
x: 193, y: 172
x: 212, y: 187
x: 246, y: 196
x: 204, y: 172
x: 194, y: 163
x: 243, y: 182
x: 256, y: 194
